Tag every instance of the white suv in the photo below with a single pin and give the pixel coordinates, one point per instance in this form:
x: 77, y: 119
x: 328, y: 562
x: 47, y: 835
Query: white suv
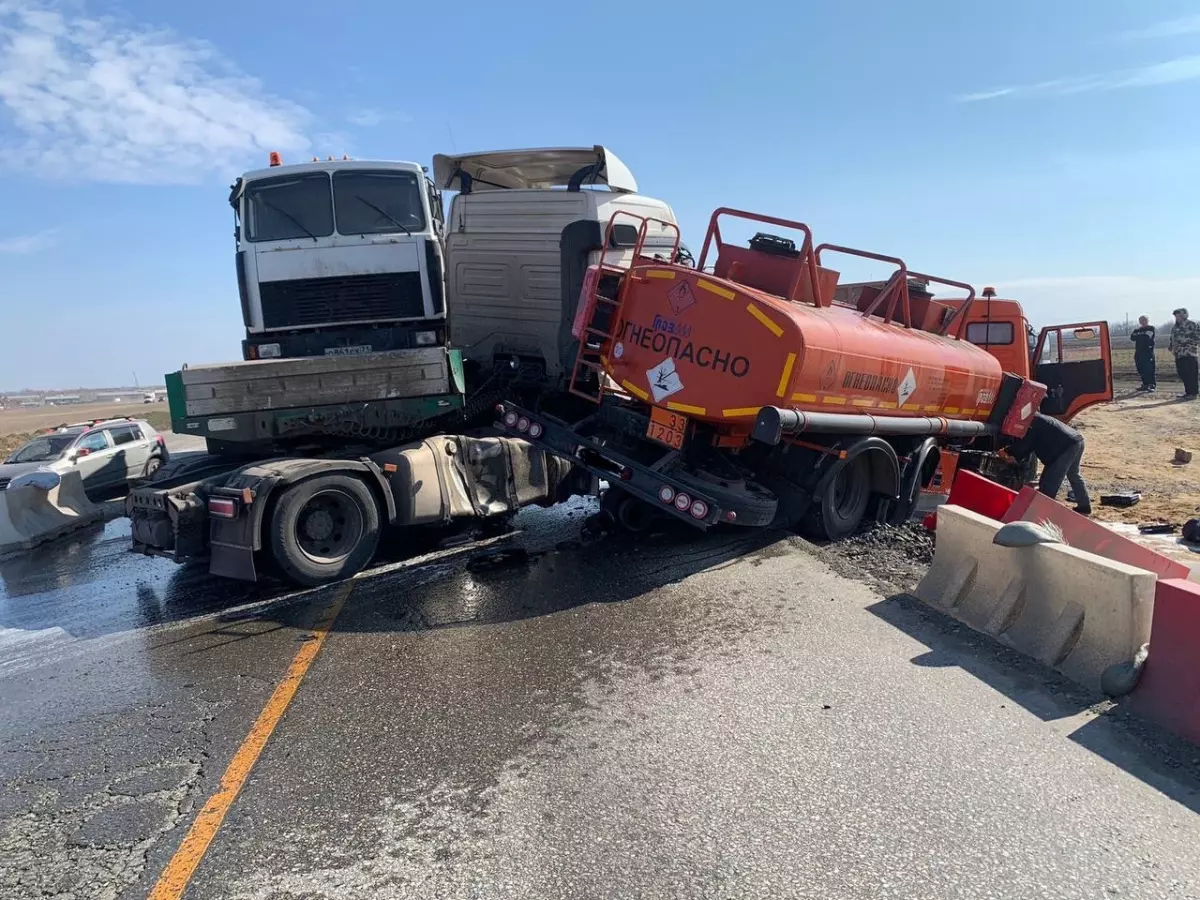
x: 107, y: 454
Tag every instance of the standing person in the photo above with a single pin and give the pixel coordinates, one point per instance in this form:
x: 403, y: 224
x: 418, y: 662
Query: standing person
x: 1059, y: 448
x: 1185, y: 343
x: 1143, y: 353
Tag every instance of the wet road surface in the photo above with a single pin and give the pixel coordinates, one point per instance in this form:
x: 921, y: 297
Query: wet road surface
x: 716, y: 716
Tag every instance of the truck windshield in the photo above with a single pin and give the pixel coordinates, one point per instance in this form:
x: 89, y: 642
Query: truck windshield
x: 378, y: 202
x: 289, y: 207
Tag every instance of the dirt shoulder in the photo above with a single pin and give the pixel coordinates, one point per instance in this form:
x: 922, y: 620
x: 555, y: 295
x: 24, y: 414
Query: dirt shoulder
x: 1131, y: 447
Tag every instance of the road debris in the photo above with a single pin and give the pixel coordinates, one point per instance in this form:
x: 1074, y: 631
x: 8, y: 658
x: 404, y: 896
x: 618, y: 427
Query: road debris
x: 1183, y: 456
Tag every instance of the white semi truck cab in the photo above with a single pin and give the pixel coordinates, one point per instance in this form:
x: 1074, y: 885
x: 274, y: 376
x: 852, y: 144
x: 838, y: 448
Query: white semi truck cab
x: 339, y: 257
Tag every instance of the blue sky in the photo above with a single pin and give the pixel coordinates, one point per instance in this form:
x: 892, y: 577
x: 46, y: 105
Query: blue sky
x: 1050, y: 148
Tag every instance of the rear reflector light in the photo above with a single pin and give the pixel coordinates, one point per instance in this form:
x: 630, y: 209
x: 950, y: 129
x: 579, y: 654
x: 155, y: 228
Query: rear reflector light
x: 222, y: 508
x: 666, y: 493
x: 682, y: 502
x: 522, y: 424
x: 731, y: 516
x: 535, y: 430
x: 510, y: 419
x: 626, y: 473
x: 699, y: 509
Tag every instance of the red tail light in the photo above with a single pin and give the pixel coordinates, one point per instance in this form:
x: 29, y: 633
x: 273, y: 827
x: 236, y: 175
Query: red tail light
x: 222, y: 507
x: 158, y: 439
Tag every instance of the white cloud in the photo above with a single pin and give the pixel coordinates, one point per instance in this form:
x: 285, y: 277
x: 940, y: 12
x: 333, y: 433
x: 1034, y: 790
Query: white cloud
x: 369, y: 118
x: 96, y: 99
x: 29, y: 243
x: 1085, y: 298
x: 366, y: 118
x: 1169, y: 29
x: 1172, y: 71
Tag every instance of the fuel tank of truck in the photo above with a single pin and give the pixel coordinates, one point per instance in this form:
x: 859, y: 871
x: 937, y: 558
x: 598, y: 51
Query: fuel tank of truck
x: 716, y: 350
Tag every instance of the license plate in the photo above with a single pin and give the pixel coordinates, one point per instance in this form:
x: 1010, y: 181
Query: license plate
x: 356, y: 350
x: 667, y: 427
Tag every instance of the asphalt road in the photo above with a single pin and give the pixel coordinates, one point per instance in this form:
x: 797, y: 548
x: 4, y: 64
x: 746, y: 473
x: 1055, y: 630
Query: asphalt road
x: 718, y: 717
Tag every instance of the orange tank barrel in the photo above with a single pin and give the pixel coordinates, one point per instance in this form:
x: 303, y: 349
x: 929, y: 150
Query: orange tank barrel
x: 717, y: 350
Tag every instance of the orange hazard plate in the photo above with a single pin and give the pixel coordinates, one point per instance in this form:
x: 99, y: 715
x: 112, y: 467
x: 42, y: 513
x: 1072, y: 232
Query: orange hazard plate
x: 667, y: 427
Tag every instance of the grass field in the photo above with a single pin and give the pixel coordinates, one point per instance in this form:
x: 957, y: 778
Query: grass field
x: 1123, y: 367
x: 18, y: 425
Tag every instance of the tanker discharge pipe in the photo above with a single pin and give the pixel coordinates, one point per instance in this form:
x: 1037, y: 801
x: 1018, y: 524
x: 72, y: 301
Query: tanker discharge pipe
x: 773, y: 423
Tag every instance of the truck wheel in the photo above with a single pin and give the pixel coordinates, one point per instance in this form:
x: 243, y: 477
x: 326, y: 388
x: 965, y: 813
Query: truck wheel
x: 153, y: 464
x: 634, y: 515
x: 324, y: 529
x: 839, y: 512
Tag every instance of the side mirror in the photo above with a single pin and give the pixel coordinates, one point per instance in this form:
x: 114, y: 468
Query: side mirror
x: 623, y: 235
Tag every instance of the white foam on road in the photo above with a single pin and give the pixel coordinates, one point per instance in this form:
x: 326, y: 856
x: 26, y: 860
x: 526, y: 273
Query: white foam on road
x: 19, y: 646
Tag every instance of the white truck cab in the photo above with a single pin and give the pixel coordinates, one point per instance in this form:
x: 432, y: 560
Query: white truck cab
x: 338, y: 256
x: 522, y: 230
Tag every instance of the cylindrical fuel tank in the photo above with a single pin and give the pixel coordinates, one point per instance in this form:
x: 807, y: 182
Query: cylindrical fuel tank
x: 719, y: 351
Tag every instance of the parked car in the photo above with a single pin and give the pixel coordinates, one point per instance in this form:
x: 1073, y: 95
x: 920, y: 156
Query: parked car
x: 107, y: 454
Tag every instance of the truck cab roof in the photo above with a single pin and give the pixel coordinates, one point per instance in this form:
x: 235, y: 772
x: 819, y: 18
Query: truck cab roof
x: 333, y: 165
x: 540, y: 168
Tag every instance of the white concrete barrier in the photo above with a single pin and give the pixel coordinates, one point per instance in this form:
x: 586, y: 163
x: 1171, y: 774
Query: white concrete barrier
x: 33, y: 513
x: 1067, y: 608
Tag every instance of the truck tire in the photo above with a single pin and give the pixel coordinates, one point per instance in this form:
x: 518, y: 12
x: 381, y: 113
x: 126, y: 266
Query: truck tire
x: 839, y: 511
x: 631, y: 513
x: 324, y: 529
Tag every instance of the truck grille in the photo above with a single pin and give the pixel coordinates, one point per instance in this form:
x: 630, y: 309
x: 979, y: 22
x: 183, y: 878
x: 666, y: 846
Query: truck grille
x: 355, y: 298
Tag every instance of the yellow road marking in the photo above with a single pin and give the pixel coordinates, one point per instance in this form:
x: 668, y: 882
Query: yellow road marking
x: 175, y: 877
x: 740, y: 411
x: 684, y: 408
x: 661, y: 273
x: 635, y: 390
x: 781, y: 391
x: 715, y: 289
x: 805, y: 398
x: 764, y: 318
x: 862, y: 401
x: 835, y: 400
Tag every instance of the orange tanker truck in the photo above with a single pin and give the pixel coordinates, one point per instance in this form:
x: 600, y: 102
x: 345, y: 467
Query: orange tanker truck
x: 755, y: 391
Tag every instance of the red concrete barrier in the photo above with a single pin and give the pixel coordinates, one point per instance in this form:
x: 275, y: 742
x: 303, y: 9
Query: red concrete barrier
x: 1168, y: 691
x: 1082, y: 533
x: 974, y: 492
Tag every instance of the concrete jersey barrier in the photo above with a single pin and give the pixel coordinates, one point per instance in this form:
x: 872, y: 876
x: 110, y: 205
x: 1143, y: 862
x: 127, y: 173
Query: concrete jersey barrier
x: 31, y: 515
x: 1069, y: 609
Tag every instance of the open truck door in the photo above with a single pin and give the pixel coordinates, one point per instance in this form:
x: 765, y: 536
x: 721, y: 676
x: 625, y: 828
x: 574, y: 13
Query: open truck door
x: 1075, y: 364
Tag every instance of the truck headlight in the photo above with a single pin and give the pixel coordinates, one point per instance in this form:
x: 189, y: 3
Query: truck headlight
x: 425, y: 338
x: 269, y: 351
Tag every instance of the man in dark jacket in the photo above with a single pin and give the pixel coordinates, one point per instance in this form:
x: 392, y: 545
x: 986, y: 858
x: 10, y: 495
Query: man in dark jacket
x: 1143, y: 353
x: 1185, y: 344
x: 1059, y: 448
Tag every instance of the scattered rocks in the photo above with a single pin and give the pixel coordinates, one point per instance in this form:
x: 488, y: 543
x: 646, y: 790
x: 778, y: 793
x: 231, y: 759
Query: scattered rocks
x: 1182, y: 455
x: 894, y: 557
